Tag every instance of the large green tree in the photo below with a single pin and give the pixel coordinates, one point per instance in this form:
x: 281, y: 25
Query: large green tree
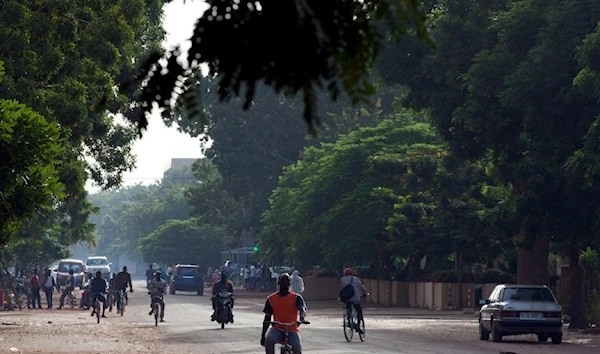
x: 355, y: 200
x: 61, y: 59
x: 509, y: 92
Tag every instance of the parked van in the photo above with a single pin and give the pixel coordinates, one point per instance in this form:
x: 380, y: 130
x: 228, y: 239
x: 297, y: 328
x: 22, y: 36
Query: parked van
x: 79, y: 270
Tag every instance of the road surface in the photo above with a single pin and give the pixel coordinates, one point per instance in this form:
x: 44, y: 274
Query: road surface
x: 189, y: 330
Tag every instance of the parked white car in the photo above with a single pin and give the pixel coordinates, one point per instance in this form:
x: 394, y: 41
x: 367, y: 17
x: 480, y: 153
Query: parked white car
x: 521, y: 309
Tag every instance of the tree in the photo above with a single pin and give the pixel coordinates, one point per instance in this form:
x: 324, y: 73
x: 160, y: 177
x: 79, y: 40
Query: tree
x: 183, y: 241
x: 347, y: 191
x: 315, y: 45
x: 29, y: 149
x: 511, y: 94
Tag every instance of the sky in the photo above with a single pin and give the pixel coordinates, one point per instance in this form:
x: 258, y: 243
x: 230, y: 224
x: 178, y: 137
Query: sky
x: 159, y: 143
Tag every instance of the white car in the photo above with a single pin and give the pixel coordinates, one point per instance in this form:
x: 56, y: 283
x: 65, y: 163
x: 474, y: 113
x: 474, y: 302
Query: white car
x: 98, y: 263
x: 521, y: 309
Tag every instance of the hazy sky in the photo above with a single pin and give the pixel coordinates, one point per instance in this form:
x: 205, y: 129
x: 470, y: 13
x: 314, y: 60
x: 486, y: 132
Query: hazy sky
x: 159, y: 143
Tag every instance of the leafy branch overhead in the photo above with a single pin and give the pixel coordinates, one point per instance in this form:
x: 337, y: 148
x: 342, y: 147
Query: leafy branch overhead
x: 295, y: 46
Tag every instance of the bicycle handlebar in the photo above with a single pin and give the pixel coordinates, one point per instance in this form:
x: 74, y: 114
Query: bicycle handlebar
x: 287, y: 324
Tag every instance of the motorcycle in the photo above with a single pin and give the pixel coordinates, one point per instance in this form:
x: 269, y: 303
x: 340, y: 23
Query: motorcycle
x: 224, y: 311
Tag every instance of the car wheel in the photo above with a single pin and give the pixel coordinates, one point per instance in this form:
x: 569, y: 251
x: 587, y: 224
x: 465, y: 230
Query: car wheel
x: 496, y: 334
x: 557, y: 338
x: 542, y: 337
x: 483, y: 333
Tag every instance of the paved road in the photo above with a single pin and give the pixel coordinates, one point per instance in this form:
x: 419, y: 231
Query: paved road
x: 189, y: 330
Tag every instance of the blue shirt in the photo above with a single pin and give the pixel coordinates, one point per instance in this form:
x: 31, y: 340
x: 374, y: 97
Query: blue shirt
x: 72, y: 281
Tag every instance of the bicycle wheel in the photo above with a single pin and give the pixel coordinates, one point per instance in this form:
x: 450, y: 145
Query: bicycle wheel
x: 110, y: 299
x: 122, y: 305
x: 98, y: 311
x: 361, y: 334
x: 72, y: 301
x: 348, y: 331
x: 155, y: 308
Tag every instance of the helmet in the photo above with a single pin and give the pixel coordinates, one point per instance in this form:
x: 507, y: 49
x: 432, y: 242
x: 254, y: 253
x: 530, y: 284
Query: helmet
x: 98, y: 274
x: 348, y: 271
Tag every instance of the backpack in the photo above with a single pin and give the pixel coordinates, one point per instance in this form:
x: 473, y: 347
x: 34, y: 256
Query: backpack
x: 347, y: 292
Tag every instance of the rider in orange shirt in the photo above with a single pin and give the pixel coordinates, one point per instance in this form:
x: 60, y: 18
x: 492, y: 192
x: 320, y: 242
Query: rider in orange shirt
x: 284, y: 306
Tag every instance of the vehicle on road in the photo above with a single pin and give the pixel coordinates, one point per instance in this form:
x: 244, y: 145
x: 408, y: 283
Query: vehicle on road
x: 286, y: 348
x: 352, y: 324
x: 187, y: 277
x: 521, y: 309
x: 223, y: 314
x: 98, y: 263
x: 79, y: 269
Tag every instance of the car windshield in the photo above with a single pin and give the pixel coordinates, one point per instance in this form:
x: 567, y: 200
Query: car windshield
x: 527, y: 294
x: 187, y: 271
x: 97, y: 262
x: 66, y: 267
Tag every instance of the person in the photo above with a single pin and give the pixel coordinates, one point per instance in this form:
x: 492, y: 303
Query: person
x: 157, y: 289
x: 297, y: 283
x: 122, y: 279
x: 223, y: 285
x: 149, y: 273
x: 35, y: 290
x: 112, y: 291
x: 284, y: 306
x: 98, y: 289
x: 69, y: 286
x: 359, y: 290
x: 49, y: 286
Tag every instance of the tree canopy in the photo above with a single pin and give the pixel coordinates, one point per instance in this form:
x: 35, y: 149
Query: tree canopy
x: 318, y: 46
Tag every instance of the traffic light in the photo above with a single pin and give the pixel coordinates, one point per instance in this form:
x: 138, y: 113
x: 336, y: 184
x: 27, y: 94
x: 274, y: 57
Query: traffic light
x: 255, y: 248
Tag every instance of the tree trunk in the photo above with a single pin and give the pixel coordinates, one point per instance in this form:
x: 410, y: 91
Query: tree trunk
x: 577, y: 301
x: 458, y: 270
x: 532, y: 264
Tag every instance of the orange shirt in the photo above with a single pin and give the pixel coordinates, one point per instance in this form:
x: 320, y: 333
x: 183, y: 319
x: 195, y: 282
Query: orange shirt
x: 285, y: 309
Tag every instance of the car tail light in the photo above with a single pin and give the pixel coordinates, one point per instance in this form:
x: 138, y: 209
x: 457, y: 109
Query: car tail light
x: 509, y: 314
x: 553, y: 314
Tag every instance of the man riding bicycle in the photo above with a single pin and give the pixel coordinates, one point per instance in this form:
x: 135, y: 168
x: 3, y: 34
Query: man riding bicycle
x: 284, y: 306
x: 223, y: 285
x: 98, y: 289
x: 122, y: 279
x: 157, y: 288
x: 351, y: 285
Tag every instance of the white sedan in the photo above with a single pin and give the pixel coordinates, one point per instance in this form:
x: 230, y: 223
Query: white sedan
x: 521, y: 309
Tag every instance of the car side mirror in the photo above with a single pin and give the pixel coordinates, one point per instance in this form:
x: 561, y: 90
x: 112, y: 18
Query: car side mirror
x: 484, y: 302
x: 109, y: 264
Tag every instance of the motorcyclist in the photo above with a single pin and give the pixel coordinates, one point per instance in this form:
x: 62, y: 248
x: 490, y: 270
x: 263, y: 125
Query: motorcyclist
x: 157, y: 288
x: 224, y: 285
x: 98, y: 289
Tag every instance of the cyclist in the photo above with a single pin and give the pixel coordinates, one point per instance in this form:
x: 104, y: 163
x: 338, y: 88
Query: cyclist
x: 149, y: 274
x: 122, y: 279
x: 112, y: 290
x: 349, y: 281
x: 157, y: 288
x: 70, y: 286
x: 284, y: 306
x: 223, y: 285
x: 98, y: 289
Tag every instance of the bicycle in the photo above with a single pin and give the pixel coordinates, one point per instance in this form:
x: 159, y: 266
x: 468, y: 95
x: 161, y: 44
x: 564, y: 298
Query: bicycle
x: 156, y: 309
x: 97, y: 309
x: 352, y: 324
x: 286, y: 348
x: 111, y: 299
x: 121, y: 304
x: 71, y: 300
